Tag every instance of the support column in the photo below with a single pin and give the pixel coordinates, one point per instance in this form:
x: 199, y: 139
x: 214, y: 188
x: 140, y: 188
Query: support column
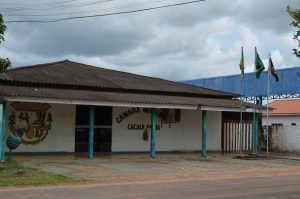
x: 259, y: 101
x: 153, y: 133
x: 203, y: 150
x: 91, y: 131
x: 256, y: 134
x: 2, y: 130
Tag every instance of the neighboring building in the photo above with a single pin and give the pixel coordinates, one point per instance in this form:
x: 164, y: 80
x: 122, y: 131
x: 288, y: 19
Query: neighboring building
x: 285, y: 112
x: 285, y: 122
x: 71, y: 107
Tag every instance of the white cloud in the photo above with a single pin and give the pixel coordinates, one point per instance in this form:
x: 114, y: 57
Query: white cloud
x: 192, y: 41
x: 277, y: 57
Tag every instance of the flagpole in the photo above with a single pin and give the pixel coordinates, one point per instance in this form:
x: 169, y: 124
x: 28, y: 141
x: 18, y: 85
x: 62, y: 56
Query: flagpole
x: 268, y: 92
x: 241, y: 108
x: 241, y: 116
x: 254, y: 111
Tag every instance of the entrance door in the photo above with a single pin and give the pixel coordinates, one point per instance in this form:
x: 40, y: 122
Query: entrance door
x: 102, y: 129
x: 232, y: 140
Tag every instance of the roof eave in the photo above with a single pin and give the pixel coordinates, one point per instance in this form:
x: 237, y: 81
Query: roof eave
x: 101, y: 103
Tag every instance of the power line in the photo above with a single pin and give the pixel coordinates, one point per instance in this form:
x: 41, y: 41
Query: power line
x: 52, y: 5
x: 61, y: 6
x: 103, y: 15
x: 129, y: 5
x: 51, y: 2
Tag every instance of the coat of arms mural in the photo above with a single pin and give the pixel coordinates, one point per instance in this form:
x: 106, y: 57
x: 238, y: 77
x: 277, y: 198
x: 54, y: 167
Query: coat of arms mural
x: 31, y: 122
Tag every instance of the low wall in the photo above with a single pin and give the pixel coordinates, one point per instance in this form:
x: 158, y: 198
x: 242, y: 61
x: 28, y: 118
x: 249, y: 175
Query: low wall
x: 286, y: 138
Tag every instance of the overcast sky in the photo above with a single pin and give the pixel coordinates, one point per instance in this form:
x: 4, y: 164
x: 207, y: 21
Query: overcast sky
x: 179, y: 43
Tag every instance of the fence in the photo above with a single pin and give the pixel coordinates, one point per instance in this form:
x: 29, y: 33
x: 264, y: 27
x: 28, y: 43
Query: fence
x: 231, y: 140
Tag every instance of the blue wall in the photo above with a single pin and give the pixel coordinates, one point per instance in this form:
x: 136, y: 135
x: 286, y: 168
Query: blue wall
x: 289, y: 84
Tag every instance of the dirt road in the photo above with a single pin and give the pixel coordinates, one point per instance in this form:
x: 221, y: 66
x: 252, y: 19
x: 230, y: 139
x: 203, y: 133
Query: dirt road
x: 167, y: 176
x: 284, y: 186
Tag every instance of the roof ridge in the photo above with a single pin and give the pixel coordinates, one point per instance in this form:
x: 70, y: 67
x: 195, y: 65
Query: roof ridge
x: 119, y: 71
x: 34, y: 66
x: 176, y: 87
x: 284, y: 100
x: 156, y: 78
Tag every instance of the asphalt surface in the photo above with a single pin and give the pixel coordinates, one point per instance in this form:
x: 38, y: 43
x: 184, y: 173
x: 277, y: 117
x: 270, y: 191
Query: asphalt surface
x: 277, y: 186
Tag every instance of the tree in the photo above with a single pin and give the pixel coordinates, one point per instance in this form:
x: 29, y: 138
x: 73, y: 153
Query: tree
x: 295, y: 14
x: 4, y: 63
x: 2, y: 28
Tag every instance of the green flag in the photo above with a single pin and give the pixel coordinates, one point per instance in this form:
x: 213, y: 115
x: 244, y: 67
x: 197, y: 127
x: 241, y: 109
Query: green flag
x: 259, y: 65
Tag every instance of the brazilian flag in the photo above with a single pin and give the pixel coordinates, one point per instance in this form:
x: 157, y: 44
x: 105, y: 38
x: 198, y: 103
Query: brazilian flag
x: 259, y: 65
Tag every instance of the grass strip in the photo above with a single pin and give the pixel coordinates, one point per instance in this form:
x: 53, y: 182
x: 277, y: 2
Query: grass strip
x: 13, y: 173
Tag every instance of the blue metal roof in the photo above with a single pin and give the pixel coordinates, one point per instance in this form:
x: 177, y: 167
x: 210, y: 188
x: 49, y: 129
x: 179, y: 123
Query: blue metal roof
x: 289, y: 84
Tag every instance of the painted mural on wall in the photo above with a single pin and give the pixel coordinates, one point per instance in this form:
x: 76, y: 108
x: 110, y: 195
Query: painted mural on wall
x: 31, y: 122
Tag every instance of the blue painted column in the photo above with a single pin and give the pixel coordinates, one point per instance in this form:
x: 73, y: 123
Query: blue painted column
x: 91, y: 131
x: 153, y: 133
x: 2, y: 130
x: 203, y: 151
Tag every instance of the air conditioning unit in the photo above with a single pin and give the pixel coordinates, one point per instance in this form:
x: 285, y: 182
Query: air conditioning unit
x: 170, y: 115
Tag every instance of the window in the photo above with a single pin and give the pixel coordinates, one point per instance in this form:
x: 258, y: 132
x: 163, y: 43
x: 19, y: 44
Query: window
x: 293, y: 124
x: 277, y: 124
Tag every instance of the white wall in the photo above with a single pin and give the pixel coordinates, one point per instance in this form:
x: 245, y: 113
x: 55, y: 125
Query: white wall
x: 183, y: 136
x: 214, y: 128
x: 286, y: 138
x: 285, y: 120
x: 62, y: 136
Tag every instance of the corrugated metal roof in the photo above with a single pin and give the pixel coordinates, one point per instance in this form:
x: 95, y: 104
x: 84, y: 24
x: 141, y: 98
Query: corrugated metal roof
x: 289, y: 84
x: 75, y: 82
x: 115, y: 97
x: 68, y: 73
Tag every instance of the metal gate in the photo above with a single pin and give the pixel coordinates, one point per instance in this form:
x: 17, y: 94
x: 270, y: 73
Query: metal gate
x: 231, y: 141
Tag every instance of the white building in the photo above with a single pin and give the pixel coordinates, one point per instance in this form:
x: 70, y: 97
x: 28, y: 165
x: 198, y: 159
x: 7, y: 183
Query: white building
x: 285, y: 122
x: 72, y: 107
